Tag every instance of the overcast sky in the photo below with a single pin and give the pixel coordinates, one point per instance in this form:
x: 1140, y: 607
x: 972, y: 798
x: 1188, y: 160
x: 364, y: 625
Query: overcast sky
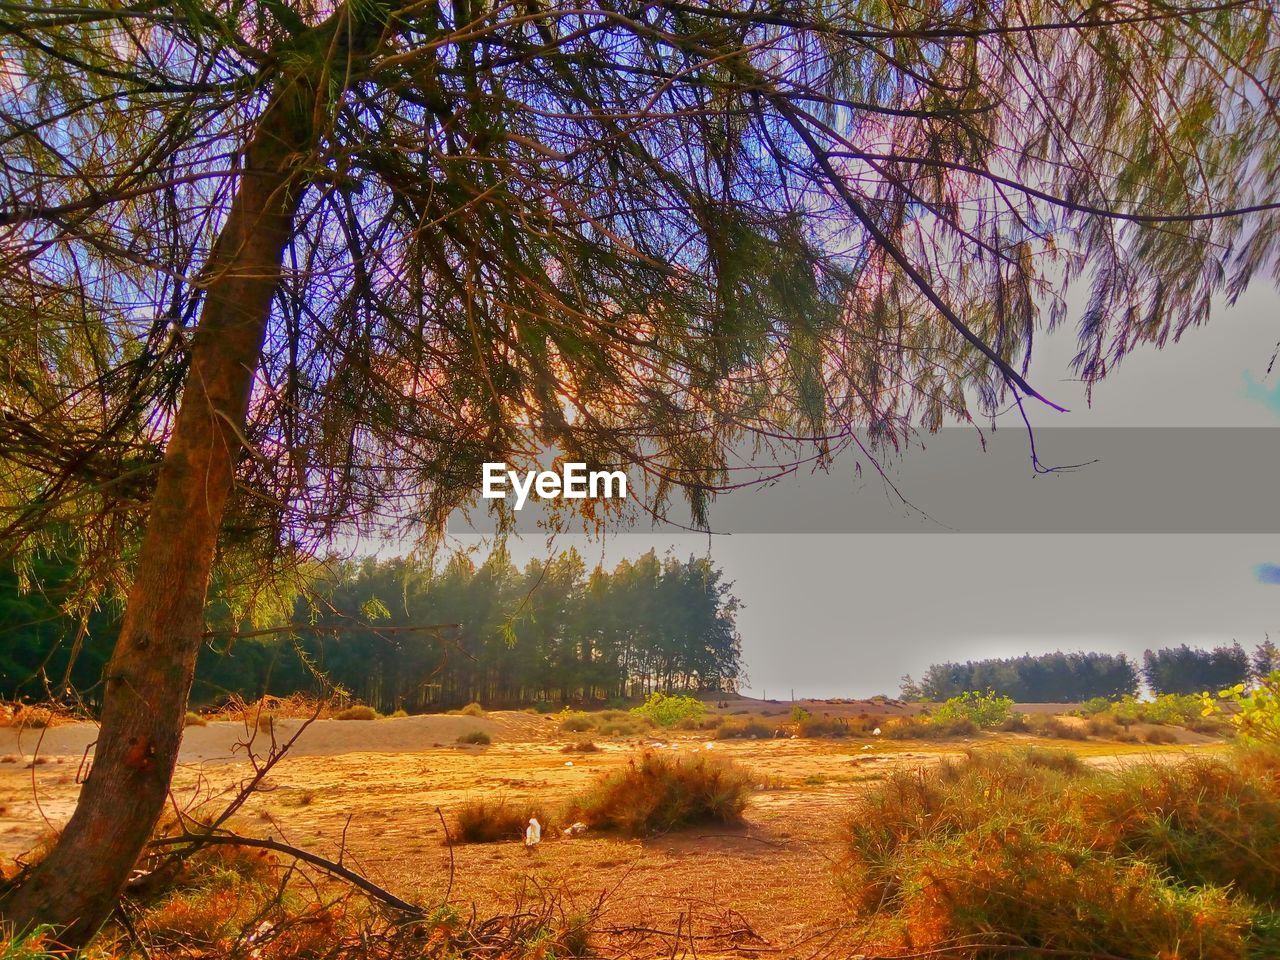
x: 846, y: 614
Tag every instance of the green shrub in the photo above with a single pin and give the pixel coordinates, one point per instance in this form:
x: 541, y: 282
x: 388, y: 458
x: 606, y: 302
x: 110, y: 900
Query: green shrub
x: 193, y: 719
x: 1171, y: 708
x: 659, y: 792
x: 1095, y: 705
x: 667, y: 710
x: 357, y: 712
x: 799, y: 714
x: 983, y: 709
x: 1036, y: 847
x: 544, y: 706
x: 476, y: 738
x: 575, y: 721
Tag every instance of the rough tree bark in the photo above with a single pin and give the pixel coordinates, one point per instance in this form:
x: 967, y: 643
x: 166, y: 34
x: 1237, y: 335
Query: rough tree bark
x: 151, y: 670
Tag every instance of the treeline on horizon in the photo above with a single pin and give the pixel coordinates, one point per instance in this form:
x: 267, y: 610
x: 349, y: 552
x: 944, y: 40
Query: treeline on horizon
x: 1074, y: 677
x: 550, y: 632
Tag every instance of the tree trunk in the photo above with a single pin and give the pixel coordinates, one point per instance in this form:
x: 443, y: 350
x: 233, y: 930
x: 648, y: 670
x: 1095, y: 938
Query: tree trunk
x: 149, y: 676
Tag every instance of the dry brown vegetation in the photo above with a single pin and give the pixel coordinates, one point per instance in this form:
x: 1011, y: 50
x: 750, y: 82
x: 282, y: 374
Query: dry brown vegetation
x: 775, y: 876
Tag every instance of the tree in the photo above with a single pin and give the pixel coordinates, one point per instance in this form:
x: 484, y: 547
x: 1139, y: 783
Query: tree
x: 1187, y: 670
x: 275, y: 270
x: 1047, y: 678
x: 1265, y: 660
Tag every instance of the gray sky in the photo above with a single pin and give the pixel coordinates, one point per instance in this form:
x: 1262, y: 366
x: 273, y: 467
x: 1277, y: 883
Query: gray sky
x: 847, y: 614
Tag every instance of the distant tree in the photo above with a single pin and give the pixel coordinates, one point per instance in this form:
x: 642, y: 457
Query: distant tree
x: 1265, y: 660
x: 279, y: 270
x: 1045, y: 678
x: 1187, y: 670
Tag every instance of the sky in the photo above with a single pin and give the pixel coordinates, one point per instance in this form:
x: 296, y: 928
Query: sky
x: 1170, y: 537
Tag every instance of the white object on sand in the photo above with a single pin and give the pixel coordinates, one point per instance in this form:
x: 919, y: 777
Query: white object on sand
x: 533, y: 833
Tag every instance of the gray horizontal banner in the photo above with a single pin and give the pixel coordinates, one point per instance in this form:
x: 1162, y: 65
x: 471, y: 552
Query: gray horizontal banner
x: 1107, y: 480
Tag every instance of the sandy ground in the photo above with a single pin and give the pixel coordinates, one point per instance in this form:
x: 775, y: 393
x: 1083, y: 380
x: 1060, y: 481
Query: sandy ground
x: 373, y: 792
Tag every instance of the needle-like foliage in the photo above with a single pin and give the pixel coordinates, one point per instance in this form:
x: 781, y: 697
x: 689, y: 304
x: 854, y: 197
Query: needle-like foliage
x: 624, y: 232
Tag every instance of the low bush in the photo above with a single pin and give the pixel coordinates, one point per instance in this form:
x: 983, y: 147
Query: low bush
x: 1160, y: 735
x: 575, y: 721
x: 1057, y: 728
x: 472, y: 709
x: 476, y: 738
x: 1102, y: 725
x: 658, y: 792
x: 621, y: 728
x: 490, y: 821
x: 667, y: 710
x: 544, y: 706
x: 985, y: 710
x: 193, y: 719
x: 744, y: 730
x: 833, y: 727
x: 1016, y: 723
x: 924, y: 727
x: 1034, y: 847
x: 400, y: 714
x: 358, y: 712
x: 581, y: 746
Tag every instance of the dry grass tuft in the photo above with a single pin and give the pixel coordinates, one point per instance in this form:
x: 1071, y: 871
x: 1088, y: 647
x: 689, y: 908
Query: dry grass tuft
x: 475, y: 738
x: 357, y: 711
x: 491, y: 821
x: 1035, y: 848
x: 580, y: 746
x: 658, y: 792
x: 745, y: 730
x: 34, y: 716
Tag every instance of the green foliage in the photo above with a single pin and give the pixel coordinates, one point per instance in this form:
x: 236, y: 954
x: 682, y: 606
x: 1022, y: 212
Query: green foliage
x: 193, y: 719
x: 28, y: 946
x: 660, y: 792
x: 1255, y: 712
x: 1171, y: 708
x: 1187, y: 670
x: 649, y: 617
x: 667, y: 710
x: 1015, y: 847
x: 983, y: 710
x: 799, y: 714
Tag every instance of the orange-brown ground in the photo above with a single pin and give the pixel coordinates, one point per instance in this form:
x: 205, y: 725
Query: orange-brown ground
x: 764, y: 888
